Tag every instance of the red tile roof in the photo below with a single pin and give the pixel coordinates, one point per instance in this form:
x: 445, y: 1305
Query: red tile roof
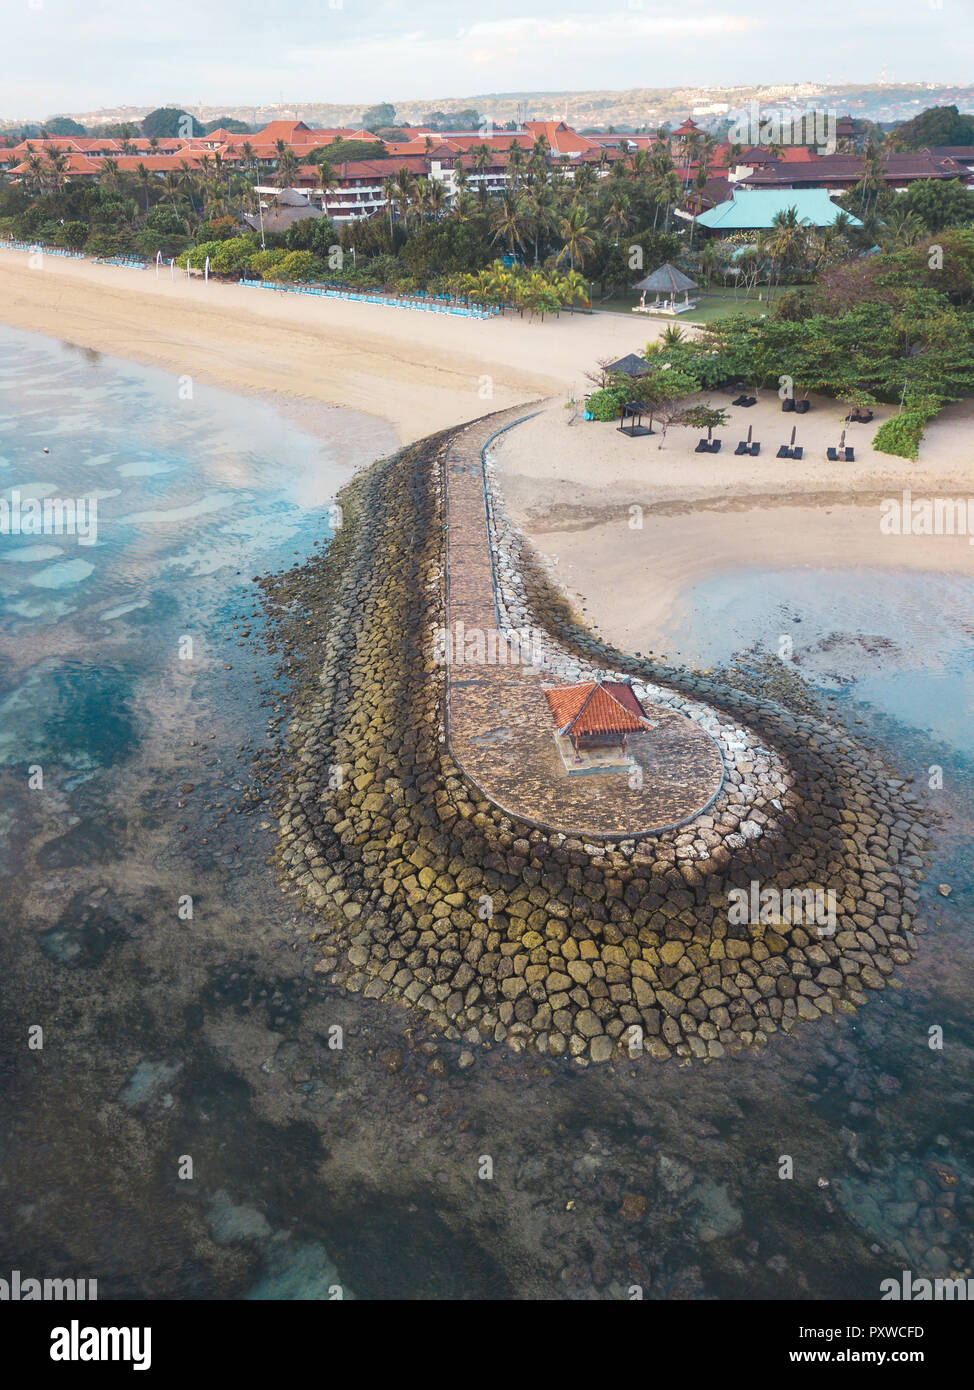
x: 596, y: 707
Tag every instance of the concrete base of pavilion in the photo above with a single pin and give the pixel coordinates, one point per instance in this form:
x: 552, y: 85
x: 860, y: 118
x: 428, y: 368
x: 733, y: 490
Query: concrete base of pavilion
x: 592, y: 759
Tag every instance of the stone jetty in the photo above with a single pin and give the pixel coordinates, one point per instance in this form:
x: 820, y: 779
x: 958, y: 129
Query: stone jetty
x: 436, y: 880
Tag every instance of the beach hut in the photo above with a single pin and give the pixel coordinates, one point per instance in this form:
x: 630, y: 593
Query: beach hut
x: 665, y: 283
x: 630, y: 365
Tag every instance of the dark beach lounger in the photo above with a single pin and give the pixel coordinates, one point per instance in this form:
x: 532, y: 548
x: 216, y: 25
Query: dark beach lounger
x: 850, y: 455
x: 803, y: 407
x: 743, y: 448
x: 754, y: 450
x: 832, y: 455
x: 784, y: 452
x: 787, y: 404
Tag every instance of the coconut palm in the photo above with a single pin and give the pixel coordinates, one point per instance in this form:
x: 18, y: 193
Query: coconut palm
x: 618, y: 217
x: 170, y: 181
x: 145, y: 182
x: 389, y: 194
x: 108, y: 175
x: 57, y: 165
x: 543, y: 214
x: 482, y: 159
x: 538, y: 160
x: 509, y: 219
x: 463, y: 206
x: 436, y: 200
x: 287, y: 165
x: 576, y: 236
x: 515, y: 164
x: 404, y: 192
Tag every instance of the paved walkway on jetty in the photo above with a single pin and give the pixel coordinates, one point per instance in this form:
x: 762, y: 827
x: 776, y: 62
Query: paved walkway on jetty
x: 499, y: 727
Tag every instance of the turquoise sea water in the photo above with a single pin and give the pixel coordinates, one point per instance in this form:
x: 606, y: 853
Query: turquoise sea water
x: 356, y: 1169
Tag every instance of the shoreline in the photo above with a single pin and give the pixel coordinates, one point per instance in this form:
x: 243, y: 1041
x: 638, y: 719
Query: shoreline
x: 675, y: 520
x: 591, y: 952
x: 422, y: 373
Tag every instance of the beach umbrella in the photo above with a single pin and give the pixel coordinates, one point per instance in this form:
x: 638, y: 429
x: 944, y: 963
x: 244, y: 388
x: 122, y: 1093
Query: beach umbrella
x: 158, y: 263
x: 206, y: 272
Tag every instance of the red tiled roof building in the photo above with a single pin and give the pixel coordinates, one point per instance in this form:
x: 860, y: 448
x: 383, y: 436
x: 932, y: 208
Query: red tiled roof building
x: 596, y: 713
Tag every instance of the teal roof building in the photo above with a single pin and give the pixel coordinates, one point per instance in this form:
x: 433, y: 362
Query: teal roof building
x: 754, y: 209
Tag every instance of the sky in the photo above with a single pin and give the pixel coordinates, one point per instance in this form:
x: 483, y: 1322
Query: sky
x: 82, y: 55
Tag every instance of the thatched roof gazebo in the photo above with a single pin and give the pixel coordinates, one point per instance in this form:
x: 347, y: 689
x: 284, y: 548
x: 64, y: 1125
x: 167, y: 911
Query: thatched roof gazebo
x: 666, y: 283
x: 630, y: 365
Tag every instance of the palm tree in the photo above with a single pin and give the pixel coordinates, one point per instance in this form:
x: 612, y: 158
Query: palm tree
x: 404, y: 192
x: 327, y: 179
x: 538, y: 160
x: 145, y: 179
x: 389, y: 193
x: 57, y: 164
x: 666, y: 192
x: 542, y: 214
x: 618, y: 218
x: 187, y: 181
x: 574, y: 288
x: 463, y: 206
x: 482, y: 160
x: 515, y: 164
x: 509, y: 219
x: 287, y: 165
x: 108, y: 172
x: 34, y: 177
x: 170, y: 182
x: 576, y: 235
x: 785, y: 243
x: 436, y: 199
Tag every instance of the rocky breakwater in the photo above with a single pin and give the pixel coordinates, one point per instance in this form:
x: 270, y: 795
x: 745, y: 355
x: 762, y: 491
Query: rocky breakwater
x: 425, y: 894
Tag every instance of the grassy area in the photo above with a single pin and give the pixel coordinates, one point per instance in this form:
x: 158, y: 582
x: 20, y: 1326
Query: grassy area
x: 709, y: 307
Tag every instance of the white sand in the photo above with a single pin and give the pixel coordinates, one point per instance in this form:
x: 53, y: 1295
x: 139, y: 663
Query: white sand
x: 422, y: 372
x: 630, y: 526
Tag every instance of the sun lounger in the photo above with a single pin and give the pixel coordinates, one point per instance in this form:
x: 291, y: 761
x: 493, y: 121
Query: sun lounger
x: 832, y: 455
x: 850, y: 455
x: 788, y: 404
x: 803, y: 407
x: 754, y: 450
x: 784, y: 452
x: 743, y: 447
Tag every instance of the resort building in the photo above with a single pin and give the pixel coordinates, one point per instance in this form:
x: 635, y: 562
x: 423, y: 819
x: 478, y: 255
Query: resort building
x: 754, y: 210
x: 838, y: 172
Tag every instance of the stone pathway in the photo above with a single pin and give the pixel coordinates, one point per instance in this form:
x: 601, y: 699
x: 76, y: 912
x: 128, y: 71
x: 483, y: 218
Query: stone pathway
x: 498, y: 724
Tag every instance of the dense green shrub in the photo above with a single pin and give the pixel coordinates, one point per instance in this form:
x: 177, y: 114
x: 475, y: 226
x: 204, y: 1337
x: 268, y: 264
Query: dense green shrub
x: 605, y: 404
x: 902, y: 434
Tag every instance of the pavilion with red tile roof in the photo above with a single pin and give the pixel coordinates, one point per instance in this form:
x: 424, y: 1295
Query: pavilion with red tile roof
x: 596, y: 713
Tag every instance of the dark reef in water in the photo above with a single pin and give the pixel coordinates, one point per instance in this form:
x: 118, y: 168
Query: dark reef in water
x: 425, y: 894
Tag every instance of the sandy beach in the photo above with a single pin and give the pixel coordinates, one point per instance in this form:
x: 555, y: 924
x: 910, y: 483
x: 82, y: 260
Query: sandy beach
x: 628, y: 526
x: 421, y: 372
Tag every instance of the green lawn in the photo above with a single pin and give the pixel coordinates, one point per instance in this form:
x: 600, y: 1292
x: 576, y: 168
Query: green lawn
x: 709, y: 307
